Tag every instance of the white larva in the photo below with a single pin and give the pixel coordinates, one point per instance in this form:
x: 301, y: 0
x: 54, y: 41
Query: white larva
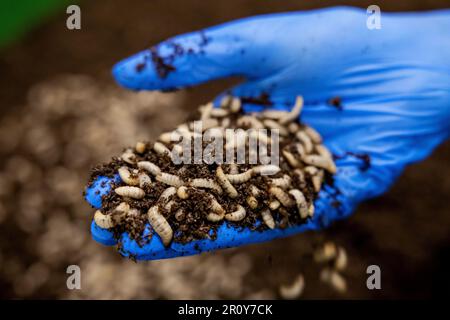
x: 140, y: 147
x: 312, y: 171
x: 234, y: 168
x: 168, y: 206
x: 300, y: 175
x: 267, y: 218
x: 217, y: 212
x: 273, y: 114
x: 144, y: 180
x: 294, y: 290
x: 160, y: 148
x: 128, y: 156
x: 219, y: 113
x: 170, y: 179
x: 127, y: 177
x: 283, y: 182
x: 305, y: 140
x: 274, y: 205
x: 320, y: 162
x: 107, y: 221
x: 236, y: 215
x: 249, y: 122
x: 252, y: 202
x: 333, y: 278
x: 104, y: 221
x: 282, y: 196
x: 205, y: 111
x: 235, y: 104
x: 295, y: 112
x: 150, y: 167
x: 166, y: 137
x: 225, y: 183
x: 182, y: 192
x: 240, y: 177
x: 206, y: 183
x: 266, y: 170
x: 325, y: 253
x: 290, y: 158
x: 271, y: 124
x: 167, y: 193
x: 302, y: 205
x: 160, y: 225
x: 313, y: 135
x: 341, y: 259
x: 130, y: 192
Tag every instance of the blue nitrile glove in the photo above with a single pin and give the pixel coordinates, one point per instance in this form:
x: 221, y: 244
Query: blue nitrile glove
x: 393, y: 84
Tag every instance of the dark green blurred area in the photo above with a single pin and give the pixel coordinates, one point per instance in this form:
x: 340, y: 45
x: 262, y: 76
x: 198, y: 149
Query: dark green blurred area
x: 18, y: 17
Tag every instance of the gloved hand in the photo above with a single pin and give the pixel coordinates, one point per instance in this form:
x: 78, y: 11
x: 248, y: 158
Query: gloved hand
x: 393, y: 84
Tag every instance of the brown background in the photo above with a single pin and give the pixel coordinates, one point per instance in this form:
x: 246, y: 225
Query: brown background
x: 405, y: 232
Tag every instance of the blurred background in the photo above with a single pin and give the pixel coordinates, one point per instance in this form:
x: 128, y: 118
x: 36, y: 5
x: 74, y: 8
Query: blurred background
x: 61, y: 113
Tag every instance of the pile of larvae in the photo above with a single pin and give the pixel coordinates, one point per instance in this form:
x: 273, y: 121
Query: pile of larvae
x: 186, y: 202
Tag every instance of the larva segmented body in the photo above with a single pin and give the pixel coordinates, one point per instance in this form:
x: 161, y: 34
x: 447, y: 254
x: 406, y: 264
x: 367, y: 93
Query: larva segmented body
x: 252, y: 202
x: 167, y: 193
x: 295, y: 112
x: 236, y: 215
x: 250, y: 122
x: 283, y: 182
x: 294, y: 290
x: 182, y: 192
x: 313, y: 135
x: 160, y: 225
x: 144, y: 180
x: 267, y: 218
x: 128, y: 156
x: 180, y: 215
x: 217, y: 212
x: 206, y: 183
x: 104, y: 221
x: 290, y: 158
x: 170, y: 179
x: 271, y: 124
x: 234, y: 168
x: 130, y: 192
x: 127, y: 177
x: 317, y: 180
x: 311, y: 209
x: 282, y: 196
x: 168, y: 206
x: 273, y: 114
x: 302, y: 205
x: 305, y: 140
x: 266, y: 170
x: 225, y: 183
x: 160, y: 148
x: 150, y: 167
x: 219, y: 113
x: 320, y: 162
x: 240, y: 177
x: 140, y: 147
x: 300, y: 149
